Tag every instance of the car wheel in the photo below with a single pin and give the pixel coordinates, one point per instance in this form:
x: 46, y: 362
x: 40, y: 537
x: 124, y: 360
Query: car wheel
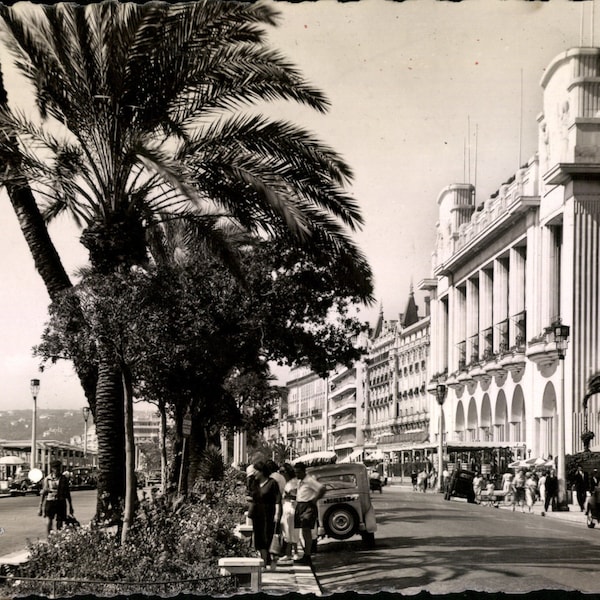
x: 590, y: 520
x: 341, y: 522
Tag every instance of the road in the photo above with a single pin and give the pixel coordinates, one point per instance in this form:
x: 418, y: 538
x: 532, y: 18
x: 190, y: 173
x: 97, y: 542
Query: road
x: 426, y: 543
x: 19, y: 519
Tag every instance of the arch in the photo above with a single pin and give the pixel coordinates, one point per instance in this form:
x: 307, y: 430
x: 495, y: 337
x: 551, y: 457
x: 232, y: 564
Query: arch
x: 549, y: 401
x: 517, y: 416
x: 471, y: 429
x: 500, y: 418
x: 486, y: 411
x: 517, y: 409
x: 547, y: 423
x: 459, y: 420
x: 472, y: 419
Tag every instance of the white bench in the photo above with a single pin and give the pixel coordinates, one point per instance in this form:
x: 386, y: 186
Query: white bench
x: 238, y: 565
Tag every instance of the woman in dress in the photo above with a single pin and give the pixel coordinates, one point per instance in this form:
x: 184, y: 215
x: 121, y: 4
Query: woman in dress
x: 265, y: 510
x: 291, y: 535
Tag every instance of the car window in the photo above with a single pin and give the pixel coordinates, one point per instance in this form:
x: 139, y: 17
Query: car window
x: 339, y: 481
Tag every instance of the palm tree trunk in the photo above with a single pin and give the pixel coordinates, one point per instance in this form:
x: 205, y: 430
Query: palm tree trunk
x: 130, y: 487
x: 110, y: 430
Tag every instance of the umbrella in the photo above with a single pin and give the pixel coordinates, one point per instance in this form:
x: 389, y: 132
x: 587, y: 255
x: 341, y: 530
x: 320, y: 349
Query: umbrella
x: 518, y: 464
x: 12, y: 460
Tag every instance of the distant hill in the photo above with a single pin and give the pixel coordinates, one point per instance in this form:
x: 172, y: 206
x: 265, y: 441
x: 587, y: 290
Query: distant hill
x: 52, y: 424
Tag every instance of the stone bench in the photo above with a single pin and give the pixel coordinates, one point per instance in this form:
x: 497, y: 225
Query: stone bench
x: 238, y: 565
x: 495, y: 497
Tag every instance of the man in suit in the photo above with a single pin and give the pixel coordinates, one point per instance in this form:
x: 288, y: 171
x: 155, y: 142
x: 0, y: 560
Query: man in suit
x: 581, y: 487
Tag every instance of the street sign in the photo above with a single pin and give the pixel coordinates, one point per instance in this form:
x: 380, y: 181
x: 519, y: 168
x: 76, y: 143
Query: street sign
x: 186, y: 426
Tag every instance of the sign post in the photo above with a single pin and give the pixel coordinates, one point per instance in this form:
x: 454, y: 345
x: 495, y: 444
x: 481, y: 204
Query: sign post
x: 186, y: 430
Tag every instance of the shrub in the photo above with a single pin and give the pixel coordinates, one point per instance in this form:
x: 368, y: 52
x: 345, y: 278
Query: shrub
x: 168, y: 541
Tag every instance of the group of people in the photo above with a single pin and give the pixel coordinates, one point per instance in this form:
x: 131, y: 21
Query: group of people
x: 55, y: 497
x: 282, y: 502
x: 423, y: 479
x: 522, y: 490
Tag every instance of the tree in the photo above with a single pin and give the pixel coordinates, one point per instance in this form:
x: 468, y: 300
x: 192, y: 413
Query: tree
x: 142, y: 124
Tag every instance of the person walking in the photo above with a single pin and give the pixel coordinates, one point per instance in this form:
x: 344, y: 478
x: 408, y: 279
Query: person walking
x: 581, y: 487
x: 477, y: 486
x: 531, y: 490
x: 594, y: 480
x: 518, y: 490
x: 290, y: 533
x: 551, y: 486
x: 264, y: 510
x: 305, y: 515
x: 55, y: 496
x: 542, y: 487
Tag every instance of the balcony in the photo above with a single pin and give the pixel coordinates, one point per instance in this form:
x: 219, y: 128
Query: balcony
x: 453, y: 382
x: 493, y: 367
x: 478, y: 373
x: 514, y: 360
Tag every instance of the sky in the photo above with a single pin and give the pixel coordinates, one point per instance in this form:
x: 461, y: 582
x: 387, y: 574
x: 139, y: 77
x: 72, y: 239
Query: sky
x: 424, y: 94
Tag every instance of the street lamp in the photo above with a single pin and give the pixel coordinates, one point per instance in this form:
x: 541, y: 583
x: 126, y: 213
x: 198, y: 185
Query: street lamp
x: 440, y: 396
x: 86, y: 413
x: 561, y: 337
x: 34, y: 386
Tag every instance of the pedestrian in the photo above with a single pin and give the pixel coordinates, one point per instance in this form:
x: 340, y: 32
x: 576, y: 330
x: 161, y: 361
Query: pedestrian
x: 531, y: 490
x: 477, y: 486
x: 422, y: 481
x: 276, y: 475
x: 594, y: 480
x: 518, y: 490
x: 305, y: 516
x: 55, y: 496
x: 551, y: 486
x: 264, y: 510
x: 414, y: 476
x: 490, y: 492
x: 291, y: 534
x: 542, y: 487
x: 581, y: 487
x: 507, y: 487
x: 445, y: 479
x: 432, y: 479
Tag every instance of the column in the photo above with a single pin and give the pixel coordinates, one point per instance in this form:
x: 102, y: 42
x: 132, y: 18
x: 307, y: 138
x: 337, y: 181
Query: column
x: 486, y: 301
x: 472, y: 319
x: 500, y: 299
x: 516, y: 290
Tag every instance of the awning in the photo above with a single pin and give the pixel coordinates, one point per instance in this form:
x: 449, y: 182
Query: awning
x: 353, y: 457
x: 12, y: 460
x: 377, y: 455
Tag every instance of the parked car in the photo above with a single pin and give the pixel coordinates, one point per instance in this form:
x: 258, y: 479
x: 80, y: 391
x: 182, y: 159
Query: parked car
x: 461, y: 485
x: 21, y: 484
x: 83, y: 478
x: 345, y: 509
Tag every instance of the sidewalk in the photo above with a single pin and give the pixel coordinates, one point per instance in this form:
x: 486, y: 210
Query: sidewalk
x: 291, y: 579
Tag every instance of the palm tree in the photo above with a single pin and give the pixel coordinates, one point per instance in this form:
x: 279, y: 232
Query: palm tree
x: 143, y: 122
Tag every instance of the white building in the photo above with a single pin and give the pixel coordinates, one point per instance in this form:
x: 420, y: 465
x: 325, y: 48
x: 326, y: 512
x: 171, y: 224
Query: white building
x: 507, y: 269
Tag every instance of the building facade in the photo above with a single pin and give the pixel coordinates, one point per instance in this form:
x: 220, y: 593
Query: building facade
x: 508, y: 271
x: 305, y: 427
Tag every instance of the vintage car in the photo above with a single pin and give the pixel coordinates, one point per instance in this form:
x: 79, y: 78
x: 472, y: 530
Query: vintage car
x: 345, y: 509
x: 461, y: 485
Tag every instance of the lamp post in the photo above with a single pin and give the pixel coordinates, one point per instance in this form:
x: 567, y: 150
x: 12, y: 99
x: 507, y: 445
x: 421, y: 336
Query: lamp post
x: 440, y: 396
x: 561, y: 337
x: 86, y: 414
x: 34, y: 386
